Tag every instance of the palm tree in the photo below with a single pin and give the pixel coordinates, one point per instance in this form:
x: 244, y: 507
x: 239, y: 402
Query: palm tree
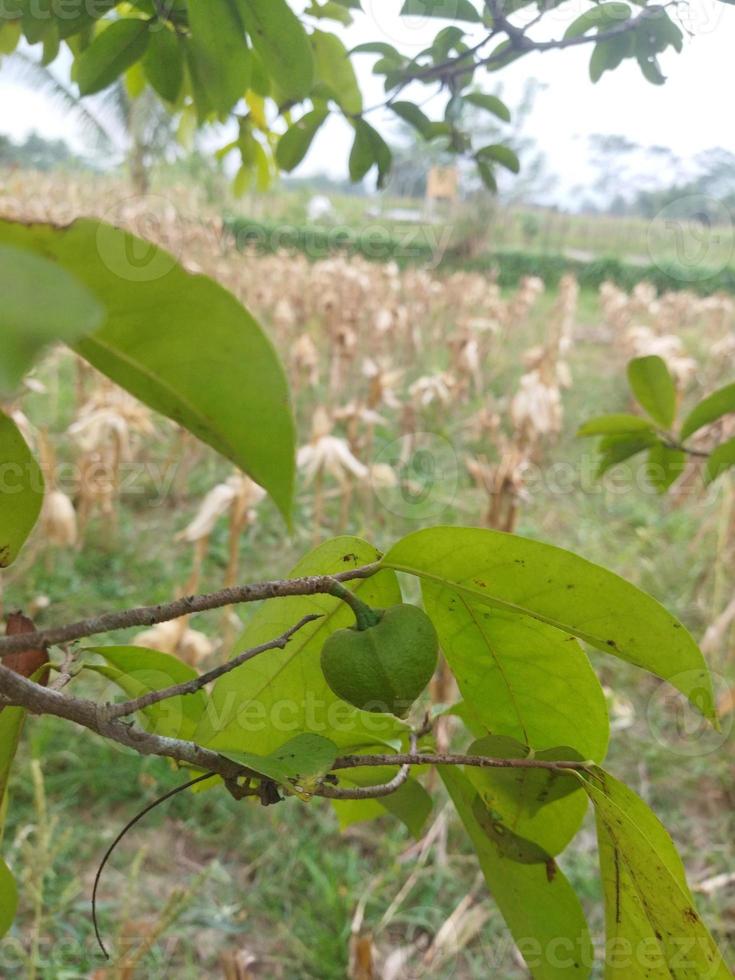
x: 121, y: 129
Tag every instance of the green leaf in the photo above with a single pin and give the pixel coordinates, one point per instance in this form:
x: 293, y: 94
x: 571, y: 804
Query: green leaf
x: 608, y: 55
x: 411, y: 114
x: 163, y: 63
x: 369, y: 149
x: 138, y: 671
x: 654, y: 388
x: 362, y: 155
x: 179, y: 342
x: 487, y: 175
x: 722, y: 459
x: 21, y: 491
x: 491, y: 103
x: 617, y: 425
x: 283, y: 692
x: 653, y: 928
x: 41, y: 304
x: 501, y: 154
x: 11, y: 728
x: 282, y: 42
x: 222, y: 57
x: 509, y: 844
x: 665, y: 466
x: 111, y: 53
x: 300, y: 759
x: 330, y: 10
x: 382, y: 48
x: 603, y: 16
x: 651, y: 69
x: 8, y: 898
x: 503, y: 55
x: 656, y: 33
x: 563, y: 590
x: 80, y: 17
x: 536, y: 900
x: 712, y: 408
x: 618, y: 449
x: 12, y: 721
x: 335, y: 70
x: 296, y: 141
x: 10, y: 34
x: 410, y: 804
x: 522, y: 678
x: 446, y: 9
x: 539, y: 805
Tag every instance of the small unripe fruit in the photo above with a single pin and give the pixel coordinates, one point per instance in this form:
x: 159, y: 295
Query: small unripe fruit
x: 385, y: 667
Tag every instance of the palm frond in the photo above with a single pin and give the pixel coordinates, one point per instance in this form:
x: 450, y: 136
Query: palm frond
x: 26, y: 70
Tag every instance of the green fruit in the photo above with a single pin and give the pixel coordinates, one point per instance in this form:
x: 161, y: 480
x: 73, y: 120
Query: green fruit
x: 385, y: 667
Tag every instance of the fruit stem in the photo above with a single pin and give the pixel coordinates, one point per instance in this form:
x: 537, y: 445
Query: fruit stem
x: 365, y: 615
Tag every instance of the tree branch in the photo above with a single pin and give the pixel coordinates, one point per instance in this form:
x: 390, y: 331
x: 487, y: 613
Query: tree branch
x: 45, y: 701
x: 40, y: 700
x: 114, y: 711
x: 520, y: 43
x: 152, y: 615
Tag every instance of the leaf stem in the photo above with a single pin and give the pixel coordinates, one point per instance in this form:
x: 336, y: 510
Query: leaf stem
x: 365, y: 615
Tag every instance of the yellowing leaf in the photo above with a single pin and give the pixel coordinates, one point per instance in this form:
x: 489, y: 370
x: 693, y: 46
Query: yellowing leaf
x: 653, y: 927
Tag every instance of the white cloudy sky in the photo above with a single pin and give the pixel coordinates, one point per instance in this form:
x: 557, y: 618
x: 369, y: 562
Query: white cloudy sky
x: 689, y: 114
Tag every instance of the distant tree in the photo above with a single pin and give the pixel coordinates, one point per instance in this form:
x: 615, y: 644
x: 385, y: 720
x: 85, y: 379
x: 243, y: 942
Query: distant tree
x: 38, y: 153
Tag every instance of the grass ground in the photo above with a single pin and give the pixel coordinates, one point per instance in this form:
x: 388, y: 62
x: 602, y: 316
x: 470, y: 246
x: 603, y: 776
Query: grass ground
x: 283, y: 884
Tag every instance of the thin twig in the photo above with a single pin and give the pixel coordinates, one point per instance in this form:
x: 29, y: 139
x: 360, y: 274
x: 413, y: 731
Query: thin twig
x: 64, y: 674
x: 434, y: 759
x: 197, y: 683
x: 152, y: 615
x: 372, y: 792
x: 698, y: 453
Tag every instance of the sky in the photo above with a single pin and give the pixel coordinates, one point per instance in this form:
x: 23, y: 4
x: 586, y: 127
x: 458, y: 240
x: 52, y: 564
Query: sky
x: 688, y: 114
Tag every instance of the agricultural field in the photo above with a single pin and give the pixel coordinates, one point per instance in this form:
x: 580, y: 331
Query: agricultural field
x: 420, y: 395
